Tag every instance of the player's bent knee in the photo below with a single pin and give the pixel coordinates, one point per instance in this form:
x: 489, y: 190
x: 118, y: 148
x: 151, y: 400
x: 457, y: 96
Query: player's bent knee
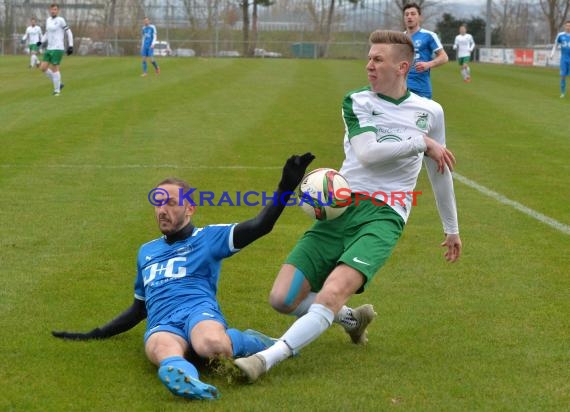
x: 212, y: 346
x: 290, y: 288
x: 277, y: 302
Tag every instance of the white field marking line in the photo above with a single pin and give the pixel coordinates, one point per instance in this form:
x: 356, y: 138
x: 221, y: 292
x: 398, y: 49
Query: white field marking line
x: 135, y: 166
x: 516, y: 205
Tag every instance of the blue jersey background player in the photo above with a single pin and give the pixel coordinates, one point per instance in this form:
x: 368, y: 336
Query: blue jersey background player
x: 177, y: 281
x: 563, y: 39
x: 426, y: 45
x: 149, y: 36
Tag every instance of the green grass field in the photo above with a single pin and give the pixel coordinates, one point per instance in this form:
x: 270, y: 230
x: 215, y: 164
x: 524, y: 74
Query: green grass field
x: 490, y: 332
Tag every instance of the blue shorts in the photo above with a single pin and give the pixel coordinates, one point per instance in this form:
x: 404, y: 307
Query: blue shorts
x: 183, y: 320
x: 565, y: 67
x: 147, y: 52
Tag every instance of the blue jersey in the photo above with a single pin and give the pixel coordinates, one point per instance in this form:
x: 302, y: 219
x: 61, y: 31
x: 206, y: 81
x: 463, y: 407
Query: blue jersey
x: 182, y: 274
x: 149, y: 36
x: 425, y: 44
x: 563, y: 39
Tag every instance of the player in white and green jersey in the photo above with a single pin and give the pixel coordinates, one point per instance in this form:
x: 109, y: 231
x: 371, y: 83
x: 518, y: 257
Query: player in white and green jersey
x: 386, y: 138
x: 464, y: 44
x: 32, y: 36
x: 56, y: 30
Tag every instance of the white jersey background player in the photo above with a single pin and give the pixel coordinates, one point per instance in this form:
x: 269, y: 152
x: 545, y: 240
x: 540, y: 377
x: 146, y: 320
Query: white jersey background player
x: 56, y: 30
x: 464, y: 44
x: 32, y: 36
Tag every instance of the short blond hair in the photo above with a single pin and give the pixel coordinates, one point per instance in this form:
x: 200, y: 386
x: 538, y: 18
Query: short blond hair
x: 403, y: 42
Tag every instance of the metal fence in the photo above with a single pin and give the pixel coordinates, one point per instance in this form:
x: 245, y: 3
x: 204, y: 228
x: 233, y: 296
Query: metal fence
x: 290, y: 28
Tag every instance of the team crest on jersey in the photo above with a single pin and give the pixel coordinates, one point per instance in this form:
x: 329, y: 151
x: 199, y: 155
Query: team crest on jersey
x: 422, y: 120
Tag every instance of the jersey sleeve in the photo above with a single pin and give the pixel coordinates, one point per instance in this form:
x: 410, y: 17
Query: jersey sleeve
x: 221, y: 240
x: 437, y: 124
x: 68, y: 33
x: 442, y: 184
x: 356, y: 116
x: 139, y: 281
x: 435, y: 44
x: 154, y: 35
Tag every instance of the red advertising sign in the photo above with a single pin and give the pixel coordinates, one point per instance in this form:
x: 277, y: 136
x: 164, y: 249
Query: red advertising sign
x: 524, y: 57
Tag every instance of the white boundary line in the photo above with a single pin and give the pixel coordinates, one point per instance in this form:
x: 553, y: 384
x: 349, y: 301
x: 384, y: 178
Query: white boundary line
x: 516, y: 205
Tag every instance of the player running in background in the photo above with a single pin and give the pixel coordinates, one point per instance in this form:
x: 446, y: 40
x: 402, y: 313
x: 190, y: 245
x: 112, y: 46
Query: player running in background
x: 177, y: 280
x: 149, y: 36
x: 386, y: 130
x: 56, y: 30
x: 426, y: 44
x: 464, y: 44
x: 32, y: 36
x: 563, y: 39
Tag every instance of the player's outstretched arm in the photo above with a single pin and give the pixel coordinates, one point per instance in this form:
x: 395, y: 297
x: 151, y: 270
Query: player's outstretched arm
x: 250, y: 230
x: 438, y: 166
x: 122, y: 323
x: 369, y: 152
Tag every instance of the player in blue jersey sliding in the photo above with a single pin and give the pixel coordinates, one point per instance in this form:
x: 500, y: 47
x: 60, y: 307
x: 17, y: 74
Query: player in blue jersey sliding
x: 176, y: 285
x: 563, y: 39
x: 149, y: 36
x: 426, y: 45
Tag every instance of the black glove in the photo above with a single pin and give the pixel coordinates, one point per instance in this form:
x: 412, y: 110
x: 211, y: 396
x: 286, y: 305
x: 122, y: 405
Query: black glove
x: 294, y: 170
x: 39, y: 44
x: 94, y: 334
x: 69, y: 50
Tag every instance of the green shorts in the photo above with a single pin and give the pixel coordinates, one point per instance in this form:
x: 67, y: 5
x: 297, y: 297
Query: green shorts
x: 363, y: 238
x: 33, y: 47
x: 463, y: 60
x: 53, y: 57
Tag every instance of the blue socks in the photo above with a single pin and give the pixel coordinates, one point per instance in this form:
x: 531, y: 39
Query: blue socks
x: 246, y: 344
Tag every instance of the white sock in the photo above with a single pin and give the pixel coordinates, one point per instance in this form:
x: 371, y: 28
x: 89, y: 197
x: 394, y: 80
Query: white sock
x: 305, y: 330
x: 56, y: 81
x: 276, y: 353
x: 49, y: 74
x: 308, y: 327
x: 345, y: 319
x: 303, y: 306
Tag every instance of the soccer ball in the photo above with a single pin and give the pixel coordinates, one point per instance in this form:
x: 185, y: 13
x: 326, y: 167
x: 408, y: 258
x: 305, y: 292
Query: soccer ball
x: 324, y: 194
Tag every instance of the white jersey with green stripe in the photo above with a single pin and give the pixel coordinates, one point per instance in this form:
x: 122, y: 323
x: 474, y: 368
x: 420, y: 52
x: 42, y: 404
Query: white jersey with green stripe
x: 56, y: 29
x: 33, y: 35
x: 397, y: 124
x: 464, y: 44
